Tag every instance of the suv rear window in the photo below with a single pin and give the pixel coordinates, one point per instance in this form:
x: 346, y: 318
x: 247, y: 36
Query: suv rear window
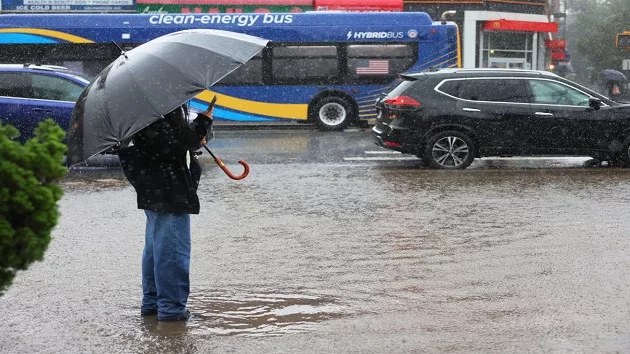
x: 495, y: 90
x: 401, y: 88
x: 451, y: 87
x: 492, y: 90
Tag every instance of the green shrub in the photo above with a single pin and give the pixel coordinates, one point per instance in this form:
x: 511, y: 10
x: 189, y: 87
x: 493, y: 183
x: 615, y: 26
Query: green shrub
x: 28, y: 195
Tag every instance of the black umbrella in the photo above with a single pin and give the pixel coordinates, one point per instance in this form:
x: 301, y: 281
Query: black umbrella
x: 147, y: 82
x: 613, y: 75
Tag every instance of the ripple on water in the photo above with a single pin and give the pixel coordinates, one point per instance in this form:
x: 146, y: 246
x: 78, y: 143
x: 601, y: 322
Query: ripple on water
x: 259, y: 314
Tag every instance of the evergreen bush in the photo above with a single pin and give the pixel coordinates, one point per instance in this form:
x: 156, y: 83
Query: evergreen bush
x: 28, y: 195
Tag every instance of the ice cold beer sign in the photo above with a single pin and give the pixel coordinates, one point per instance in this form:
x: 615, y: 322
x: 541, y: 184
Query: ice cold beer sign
x: 68, y: 6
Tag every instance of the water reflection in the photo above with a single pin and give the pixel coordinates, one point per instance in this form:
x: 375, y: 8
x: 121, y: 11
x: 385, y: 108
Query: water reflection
x: 230, y: 314
x: 259, y: 314
x: 162, y: 337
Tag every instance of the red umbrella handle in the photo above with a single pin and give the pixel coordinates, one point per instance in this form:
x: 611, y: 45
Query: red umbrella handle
x: 225, y: 169
x: 227, y: 172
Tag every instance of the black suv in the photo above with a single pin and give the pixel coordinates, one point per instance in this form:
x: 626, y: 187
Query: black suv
x: 451, y: 116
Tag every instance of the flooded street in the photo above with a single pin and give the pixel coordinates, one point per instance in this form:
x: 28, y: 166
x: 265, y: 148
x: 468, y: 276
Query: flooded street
x: 330, y: 245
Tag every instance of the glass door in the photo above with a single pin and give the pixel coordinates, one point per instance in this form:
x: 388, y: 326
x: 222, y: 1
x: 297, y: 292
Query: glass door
x: 508, y: 63
x: 507, y: 50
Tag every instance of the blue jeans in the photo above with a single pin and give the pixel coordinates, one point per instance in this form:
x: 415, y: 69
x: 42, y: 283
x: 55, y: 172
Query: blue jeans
x: 166, y: 264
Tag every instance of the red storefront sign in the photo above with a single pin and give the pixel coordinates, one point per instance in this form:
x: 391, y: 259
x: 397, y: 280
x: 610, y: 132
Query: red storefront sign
x: 558, y: 44
x: 558, y: 55
x: 359, y: 5
x: 522, y: 26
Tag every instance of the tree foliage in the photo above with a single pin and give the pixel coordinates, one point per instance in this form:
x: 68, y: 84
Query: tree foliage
x: 592, y: 28
x: 28, y: 195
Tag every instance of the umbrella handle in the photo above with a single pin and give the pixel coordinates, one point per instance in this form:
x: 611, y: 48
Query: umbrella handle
x: 227, y: 172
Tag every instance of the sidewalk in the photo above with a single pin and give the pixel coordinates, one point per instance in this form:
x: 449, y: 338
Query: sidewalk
x: 283, y: 124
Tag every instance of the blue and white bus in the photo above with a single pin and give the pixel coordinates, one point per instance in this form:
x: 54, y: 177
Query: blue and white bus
x: 327, y: 68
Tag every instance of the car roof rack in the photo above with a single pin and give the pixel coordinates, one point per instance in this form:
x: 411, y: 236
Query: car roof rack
x: 495, y: 70
x: 45, y: 67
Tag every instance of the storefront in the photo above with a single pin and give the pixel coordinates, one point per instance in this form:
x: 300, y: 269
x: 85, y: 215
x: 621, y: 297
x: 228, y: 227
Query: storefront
x: 67, y: 6
x: 359, y: 5
x: 505, y: 40
x: 223, y: 6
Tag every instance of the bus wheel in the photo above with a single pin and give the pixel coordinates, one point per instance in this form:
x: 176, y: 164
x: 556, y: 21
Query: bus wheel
x: 332, y: 113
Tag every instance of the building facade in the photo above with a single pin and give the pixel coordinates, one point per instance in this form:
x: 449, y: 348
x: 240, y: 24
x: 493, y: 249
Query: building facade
x: 498, y: 33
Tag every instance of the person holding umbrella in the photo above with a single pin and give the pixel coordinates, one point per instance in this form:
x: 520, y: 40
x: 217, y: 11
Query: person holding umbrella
x: 614, y: 82
x: 140, y: 97
x: 165, y: 177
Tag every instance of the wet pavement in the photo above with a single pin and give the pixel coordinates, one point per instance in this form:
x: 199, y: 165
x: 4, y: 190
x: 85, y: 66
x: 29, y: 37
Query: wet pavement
x: 334, y: 245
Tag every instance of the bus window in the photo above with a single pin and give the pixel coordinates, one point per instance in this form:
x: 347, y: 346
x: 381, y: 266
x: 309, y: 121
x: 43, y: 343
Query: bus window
x: 379, y: 62
x: 249, y: 74
x: 304, y: 64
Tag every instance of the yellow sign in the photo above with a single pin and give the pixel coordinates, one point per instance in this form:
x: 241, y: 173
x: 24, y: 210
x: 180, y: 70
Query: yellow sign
x: 623, y: 40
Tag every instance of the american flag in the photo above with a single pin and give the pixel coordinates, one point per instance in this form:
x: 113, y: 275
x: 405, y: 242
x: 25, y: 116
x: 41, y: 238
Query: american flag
x: 374, y: 67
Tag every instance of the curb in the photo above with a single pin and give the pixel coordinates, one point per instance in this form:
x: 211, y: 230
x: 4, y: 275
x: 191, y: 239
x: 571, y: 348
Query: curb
x: 228, y: 125
x: 260, y: 126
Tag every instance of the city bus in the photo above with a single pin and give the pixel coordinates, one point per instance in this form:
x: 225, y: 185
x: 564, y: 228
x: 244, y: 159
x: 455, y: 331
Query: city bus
x: 326, y: 68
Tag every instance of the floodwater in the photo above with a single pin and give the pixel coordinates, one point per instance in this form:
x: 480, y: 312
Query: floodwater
x: 347, y: 256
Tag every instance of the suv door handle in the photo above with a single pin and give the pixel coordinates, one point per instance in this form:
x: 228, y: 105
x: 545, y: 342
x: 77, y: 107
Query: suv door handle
x: 471, y: 110
x: 42, y: 110
x: 544, y: 114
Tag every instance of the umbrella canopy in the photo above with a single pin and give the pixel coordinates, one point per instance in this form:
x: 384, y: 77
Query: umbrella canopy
x: 147, y: 82
x: 613, y: 75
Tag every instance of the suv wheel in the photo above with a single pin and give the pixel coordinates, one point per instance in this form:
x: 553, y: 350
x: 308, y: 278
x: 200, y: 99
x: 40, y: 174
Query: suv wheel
x: 332, y: 113
x: 449, y: 150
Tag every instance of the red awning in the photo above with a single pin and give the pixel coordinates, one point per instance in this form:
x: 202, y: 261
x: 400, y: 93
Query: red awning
x: 359, y: 5
x: 525, y: 26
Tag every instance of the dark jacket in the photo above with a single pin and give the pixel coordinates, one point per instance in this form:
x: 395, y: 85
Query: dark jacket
x: 156, y: 165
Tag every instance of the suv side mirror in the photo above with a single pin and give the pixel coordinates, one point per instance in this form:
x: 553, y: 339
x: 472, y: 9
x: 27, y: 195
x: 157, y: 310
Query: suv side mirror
x: 594, y: 103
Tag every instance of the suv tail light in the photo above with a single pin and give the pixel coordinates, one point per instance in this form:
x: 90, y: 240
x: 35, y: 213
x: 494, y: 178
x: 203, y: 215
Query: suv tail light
x: 402, y: 102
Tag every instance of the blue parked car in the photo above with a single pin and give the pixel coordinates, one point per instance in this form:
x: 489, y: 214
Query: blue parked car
x: 30, y: 93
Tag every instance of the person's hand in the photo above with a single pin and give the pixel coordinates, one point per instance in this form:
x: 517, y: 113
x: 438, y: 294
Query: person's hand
x: 203, y: 141
x: 208, y: 112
